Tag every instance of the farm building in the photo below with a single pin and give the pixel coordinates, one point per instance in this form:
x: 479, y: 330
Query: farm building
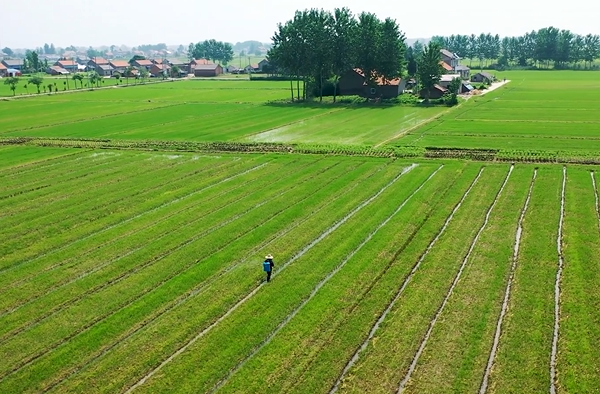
x: 435, y: 93
x: 447, y: 68
x: 252, y: 68
x: 3, y: 69
x: 207, y: 70
x: 13, y: 72
x: 263, y: 65
x: 15, y: 64
x: 449, y: 58
x: 483, y: 77
x: 119, y: 66
x: 69, y: 65
x: 147, y: 64
x: 446, y: 79
x: 158, y: 70
x: 466, y: 87
x: 232, y: 69
x: 198, y: 62
x: 57, y: 70
x: 353, y: 83
x: 464, y: 71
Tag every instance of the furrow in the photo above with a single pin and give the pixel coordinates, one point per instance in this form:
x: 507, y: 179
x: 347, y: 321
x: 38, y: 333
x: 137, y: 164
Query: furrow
x: 253, y: 292
x: 555, y: 334
x: 141, y: 214
x: 515, y: 258
x: 382, y: 317
x: 320, y: 285
x: 192, y: 293
x: 164, y: 280
x: 454, y: 283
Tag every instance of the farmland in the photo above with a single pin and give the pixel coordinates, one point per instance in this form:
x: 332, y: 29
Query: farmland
x: 137, y: 268
x: 141, y: 272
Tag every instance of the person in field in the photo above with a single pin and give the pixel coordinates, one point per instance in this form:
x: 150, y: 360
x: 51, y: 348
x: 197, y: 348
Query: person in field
x: 268, y: 266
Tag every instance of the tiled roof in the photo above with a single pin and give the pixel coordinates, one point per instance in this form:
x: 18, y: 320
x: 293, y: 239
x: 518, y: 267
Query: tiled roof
x: 380, y: 81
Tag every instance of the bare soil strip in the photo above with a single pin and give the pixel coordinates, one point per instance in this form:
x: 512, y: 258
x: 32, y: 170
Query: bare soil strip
x: 382, y: 317
x: 320, y: 285
x: 492, y: 357
x: 413, y: 364
x: 557, y: 286
x: 253, y: 292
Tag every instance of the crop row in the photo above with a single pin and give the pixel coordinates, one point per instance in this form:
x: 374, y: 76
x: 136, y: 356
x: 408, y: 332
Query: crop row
x: 200, y: 267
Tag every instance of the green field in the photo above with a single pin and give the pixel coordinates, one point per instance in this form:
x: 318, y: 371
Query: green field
x: 125, y: 270
x: 139, y: 269
x: 241, y: 111
x: 553, y: 111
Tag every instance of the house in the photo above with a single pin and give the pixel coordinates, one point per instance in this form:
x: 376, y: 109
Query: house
x: 3, y: 69
x: 232, y: 69
x: 69, y: 65
x: 16, y: 64
x: 464, y: 71
x: 197, y: 62
x: 158, y: 70
x: 57, y: 70
x: 435, y: 93
x: 104, y: 70
x: 82, y: 59
x: 119, y: 66
x: 263, y: 65
x: 100, y: 65
x: 449, y: 58
x: 353, y: 82
x: 207, y: 70
x: 447, y: 68
x: 251, y: 68
x: 446, y: 79
x: 142, y: 63
x: 483, y: 77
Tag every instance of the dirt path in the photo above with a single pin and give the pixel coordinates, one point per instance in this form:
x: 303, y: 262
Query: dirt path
x: 494, y: 86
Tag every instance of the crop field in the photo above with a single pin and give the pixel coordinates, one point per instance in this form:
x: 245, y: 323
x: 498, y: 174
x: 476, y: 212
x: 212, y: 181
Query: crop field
x: 552, y: 111
x: 242, y: 111
x: 124, y: 271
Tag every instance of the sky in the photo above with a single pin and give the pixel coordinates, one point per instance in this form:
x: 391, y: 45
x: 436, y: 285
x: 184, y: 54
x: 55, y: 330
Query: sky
x: 132, y: 23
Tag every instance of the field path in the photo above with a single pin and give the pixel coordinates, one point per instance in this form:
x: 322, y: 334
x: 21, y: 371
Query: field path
x: 415, y: 360
x: 253, y: 292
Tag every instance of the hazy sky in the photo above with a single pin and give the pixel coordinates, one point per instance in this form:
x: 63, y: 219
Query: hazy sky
x: 95, y: 22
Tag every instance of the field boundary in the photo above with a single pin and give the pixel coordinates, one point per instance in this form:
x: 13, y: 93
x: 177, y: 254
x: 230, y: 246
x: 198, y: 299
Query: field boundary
x: 389, y: 151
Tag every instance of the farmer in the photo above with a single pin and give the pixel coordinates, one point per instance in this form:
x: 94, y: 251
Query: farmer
x: 268, y: 266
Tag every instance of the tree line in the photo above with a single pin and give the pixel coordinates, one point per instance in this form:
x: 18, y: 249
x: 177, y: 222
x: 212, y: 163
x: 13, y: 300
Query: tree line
x: 214, y: 50
x: 549, y: 46
x: 316, y: 47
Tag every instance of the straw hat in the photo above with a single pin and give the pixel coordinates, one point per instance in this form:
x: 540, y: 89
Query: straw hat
x: 268, y: 256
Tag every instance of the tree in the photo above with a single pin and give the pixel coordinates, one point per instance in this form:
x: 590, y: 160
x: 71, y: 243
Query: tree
x: 33, y: 61
x: 128, y: 73
x: 50, y: 86
x: 94, y: 78
x: 343, y: 36
x: 8, y: 51
x: 136, y: 58
x: 411, y: 62
x: 37, y: 81
x: 429, y: 70
x: 12, y: 82
x: 117, y: 76
x: 144, y: 74
x: 175, y: 72
x: 78, y: 77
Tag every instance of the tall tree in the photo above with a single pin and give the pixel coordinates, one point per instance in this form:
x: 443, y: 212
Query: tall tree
x: 429, y: 70
x: 369, y: 33
x: 343, y: 38
x: 8, y: 51
x: 37, y: 81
